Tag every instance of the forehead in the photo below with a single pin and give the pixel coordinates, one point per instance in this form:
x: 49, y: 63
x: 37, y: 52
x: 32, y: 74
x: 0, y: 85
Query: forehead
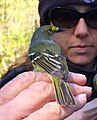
x: 81, y: 8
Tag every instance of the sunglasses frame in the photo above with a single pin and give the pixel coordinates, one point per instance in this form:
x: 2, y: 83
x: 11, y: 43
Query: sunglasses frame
x: 79, y: 15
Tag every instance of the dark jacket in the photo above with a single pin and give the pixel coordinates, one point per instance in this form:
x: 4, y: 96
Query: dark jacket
x: 89, y: 75
x: 72, y: 67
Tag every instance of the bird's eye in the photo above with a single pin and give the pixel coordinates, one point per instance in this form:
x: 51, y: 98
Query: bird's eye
x: 50, y: 31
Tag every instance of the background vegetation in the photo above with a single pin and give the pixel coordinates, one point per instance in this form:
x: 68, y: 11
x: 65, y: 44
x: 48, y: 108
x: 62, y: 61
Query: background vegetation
x: 18, y: 20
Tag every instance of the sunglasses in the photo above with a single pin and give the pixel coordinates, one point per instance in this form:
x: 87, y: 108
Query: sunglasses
x: 68, y: 18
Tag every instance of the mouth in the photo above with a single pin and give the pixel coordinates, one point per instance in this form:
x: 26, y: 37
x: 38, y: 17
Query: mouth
x: 81, y: 48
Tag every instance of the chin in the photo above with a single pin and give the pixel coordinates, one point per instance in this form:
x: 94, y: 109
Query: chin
x: 81, y: 61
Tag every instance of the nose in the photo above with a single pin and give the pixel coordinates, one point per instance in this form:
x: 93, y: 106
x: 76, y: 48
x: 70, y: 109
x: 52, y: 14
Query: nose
x: 81, y: 29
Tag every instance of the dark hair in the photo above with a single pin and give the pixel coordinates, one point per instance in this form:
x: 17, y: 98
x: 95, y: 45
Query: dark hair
x: 22, y: 64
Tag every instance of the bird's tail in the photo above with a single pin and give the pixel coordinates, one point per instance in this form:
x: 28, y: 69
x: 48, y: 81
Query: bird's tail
x: 63, y: 92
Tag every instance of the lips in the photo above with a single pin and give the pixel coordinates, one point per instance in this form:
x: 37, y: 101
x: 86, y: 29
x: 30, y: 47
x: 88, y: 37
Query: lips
x: 81, y: 48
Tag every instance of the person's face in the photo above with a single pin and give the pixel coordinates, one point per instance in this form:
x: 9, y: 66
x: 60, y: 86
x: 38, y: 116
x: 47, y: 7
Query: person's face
x: 79, y: 43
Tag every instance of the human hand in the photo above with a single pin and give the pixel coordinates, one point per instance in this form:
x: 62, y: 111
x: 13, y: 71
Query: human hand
x: 31, y: 96
x: 88, y: 112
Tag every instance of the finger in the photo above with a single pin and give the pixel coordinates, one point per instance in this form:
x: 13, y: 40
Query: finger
x: 79, y: 79
x: 20, y: 83
x: 30, y: 100
x: 77, y: 89
x: 24, y: 80
x: 53, y: 111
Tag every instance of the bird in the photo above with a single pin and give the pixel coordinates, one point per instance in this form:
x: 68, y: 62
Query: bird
x: 95, y: 82
x: 46, y: 55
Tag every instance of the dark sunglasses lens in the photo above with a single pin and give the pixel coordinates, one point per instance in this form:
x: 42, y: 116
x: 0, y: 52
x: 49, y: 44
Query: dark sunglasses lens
x: 91, y: 18
x: 64, y: 18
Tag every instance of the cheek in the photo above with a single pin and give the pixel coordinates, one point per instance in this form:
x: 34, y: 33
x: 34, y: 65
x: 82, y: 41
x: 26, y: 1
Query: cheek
x: 62, y: 41
x: 94, y: 36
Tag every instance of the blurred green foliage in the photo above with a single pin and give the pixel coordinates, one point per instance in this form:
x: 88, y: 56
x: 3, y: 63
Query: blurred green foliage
x: 18, y: 20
